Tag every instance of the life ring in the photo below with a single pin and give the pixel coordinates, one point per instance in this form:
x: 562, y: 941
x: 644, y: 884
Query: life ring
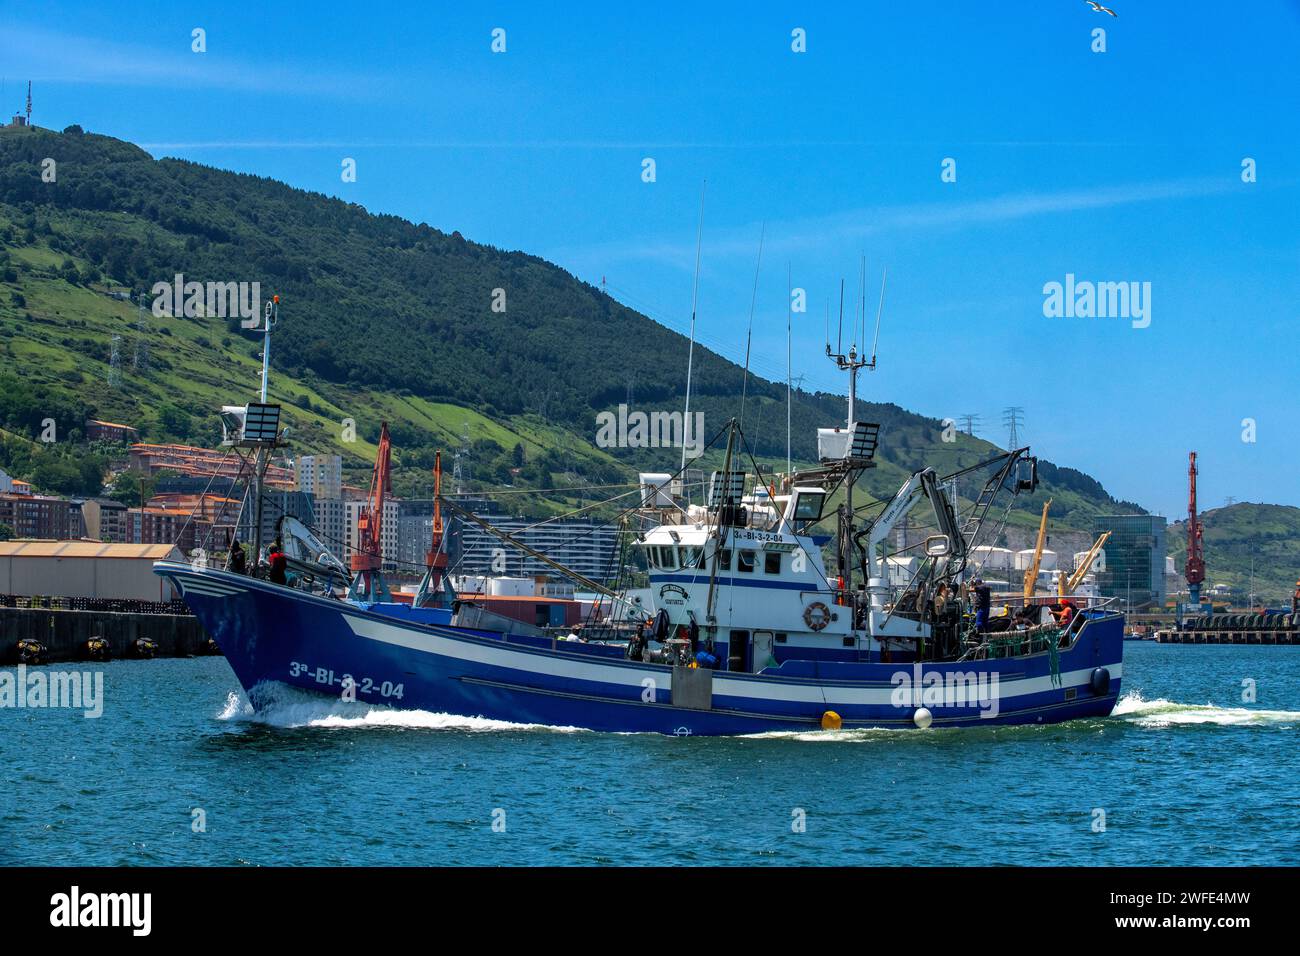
x: 817, y: 615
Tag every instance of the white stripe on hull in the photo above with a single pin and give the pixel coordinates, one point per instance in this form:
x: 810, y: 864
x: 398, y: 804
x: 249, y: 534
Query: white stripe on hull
x: 773, y: 689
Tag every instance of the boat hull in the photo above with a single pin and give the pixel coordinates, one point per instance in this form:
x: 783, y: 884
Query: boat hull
x: 275, y: 635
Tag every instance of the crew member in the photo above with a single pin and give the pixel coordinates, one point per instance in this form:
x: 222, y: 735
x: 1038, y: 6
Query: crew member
x: 983, y: 604
x: 636, y: 646
x: 236, y: 561
x: 1065, y: 615
x: 940, y: 600
x: 279, y: 561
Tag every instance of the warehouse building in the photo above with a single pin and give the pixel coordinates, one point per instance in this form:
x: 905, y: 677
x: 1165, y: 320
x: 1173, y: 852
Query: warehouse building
x: 90, y: 569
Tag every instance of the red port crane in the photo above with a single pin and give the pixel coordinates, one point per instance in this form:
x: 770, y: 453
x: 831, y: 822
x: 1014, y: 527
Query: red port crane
x: 368, y: 558
x: 436, y: 559
x: 1194, y: 570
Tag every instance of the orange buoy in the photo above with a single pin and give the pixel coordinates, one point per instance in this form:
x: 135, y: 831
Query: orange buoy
x: 831, y: 721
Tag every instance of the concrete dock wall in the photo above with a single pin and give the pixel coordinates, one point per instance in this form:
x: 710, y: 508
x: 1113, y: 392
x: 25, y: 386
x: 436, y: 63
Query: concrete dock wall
x: 65, y: 633
x: 1288, y: 636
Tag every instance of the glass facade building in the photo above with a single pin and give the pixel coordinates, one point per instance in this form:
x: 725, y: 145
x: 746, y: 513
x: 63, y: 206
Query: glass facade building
x: 1134, y: 570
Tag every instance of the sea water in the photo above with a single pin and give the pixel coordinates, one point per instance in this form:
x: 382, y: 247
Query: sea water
x: 1199, y: 764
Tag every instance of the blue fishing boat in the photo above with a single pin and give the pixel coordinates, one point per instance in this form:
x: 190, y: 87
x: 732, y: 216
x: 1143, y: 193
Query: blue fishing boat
x: 273, y: 634
x: 745, y: 630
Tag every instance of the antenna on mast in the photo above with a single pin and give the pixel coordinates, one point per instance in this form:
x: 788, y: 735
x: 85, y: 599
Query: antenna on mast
x: 879, y: 309
x: 749, y: 334
x: 862, y: 303
x: 839, y: 336
x: 789, y: 314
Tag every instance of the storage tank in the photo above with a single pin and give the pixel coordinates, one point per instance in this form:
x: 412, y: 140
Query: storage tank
x: 1025, y: 558
x: 991, y: 559
x: 1098, y: 564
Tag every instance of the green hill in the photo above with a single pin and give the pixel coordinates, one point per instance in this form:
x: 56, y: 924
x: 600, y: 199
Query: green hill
x: 1270, y: 534
x: 382, y: 319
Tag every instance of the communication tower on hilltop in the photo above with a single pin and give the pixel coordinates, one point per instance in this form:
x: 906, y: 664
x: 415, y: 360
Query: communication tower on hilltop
x: 457, y: 461
x: 1014, y: 419
x: 115, y: 363
x: 140, y: 360
x: 19, y: 120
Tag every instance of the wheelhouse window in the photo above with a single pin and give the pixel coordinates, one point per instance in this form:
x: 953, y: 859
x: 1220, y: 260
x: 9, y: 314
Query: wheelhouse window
x: 772, y: 562
x: 745, y: 561
x: 667, y: 557
x: 691, y: 557
x: 724, y: 559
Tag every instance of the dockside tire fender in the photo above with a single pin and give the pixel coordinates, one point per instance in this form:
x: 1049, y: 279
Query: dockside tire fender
x: 1100, y: 681
x: 817, y: 615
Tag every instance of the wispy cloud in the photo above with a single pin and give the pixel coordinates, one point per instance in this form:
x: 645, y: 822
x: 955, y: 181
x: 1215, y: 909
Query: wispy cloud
x: 584, y: 144
x: 68, y: 58
x: 841, y: 229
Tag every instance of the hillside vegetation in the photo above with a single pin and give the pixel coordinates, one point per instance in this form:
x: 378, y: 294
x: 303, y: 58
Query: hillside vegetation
x: 383, y: 319
x: 1270, y: 534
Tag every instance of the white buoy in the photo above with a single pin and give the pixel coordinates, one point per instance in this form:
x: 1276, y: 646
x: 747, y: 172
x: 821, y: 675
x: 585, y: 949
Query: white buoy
x: 922, y: 717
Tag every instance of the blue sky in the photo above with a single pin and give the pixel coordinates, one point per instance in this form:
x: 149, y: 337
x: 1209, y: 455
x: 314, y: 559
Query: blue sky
x: 1115, y: 166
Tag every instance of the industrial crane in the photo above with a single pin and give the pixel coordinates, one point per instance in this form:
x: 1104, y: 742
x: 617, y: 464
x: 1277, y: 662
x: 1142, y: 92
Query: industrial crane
x: 430, y: 592
x: 1194, y: 570
x: 1068, y: 585
x: 1031, y: 572
x: 368, y: 559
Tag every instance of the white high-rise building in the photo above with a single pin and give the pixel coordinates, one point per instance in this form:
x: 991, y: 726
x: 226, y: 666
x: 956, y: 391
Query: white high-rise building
x: 332, y: 526
x: 388, y: 541
x: 322, y: 475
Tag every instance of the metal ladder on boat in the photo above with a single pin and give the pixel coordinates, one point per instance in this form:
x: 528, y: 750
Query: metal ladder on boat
x: 970, y: 529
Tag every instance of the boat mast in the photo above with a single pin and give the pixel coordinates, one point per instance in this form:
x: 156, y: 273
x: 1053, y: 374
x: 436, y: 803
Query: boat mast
x: 722, y: 517
x: 851, y: 363
x: 262, y: 454
x: 789, y: 310
x: 695, y: 293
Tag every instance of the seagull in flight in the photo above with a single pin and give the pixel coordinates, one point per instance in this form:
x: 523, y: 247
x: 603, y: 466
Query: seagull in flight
x: 1099, y: 8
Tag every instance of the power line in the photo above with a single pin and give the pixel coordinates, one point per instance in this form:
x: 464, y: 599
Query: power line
x: 1013, y: 418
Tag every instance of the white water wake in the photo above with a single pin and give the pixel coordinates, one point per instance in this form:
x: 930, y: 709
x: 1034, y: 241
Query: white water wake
x: 1160, y: 712
x: 290, y: 709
